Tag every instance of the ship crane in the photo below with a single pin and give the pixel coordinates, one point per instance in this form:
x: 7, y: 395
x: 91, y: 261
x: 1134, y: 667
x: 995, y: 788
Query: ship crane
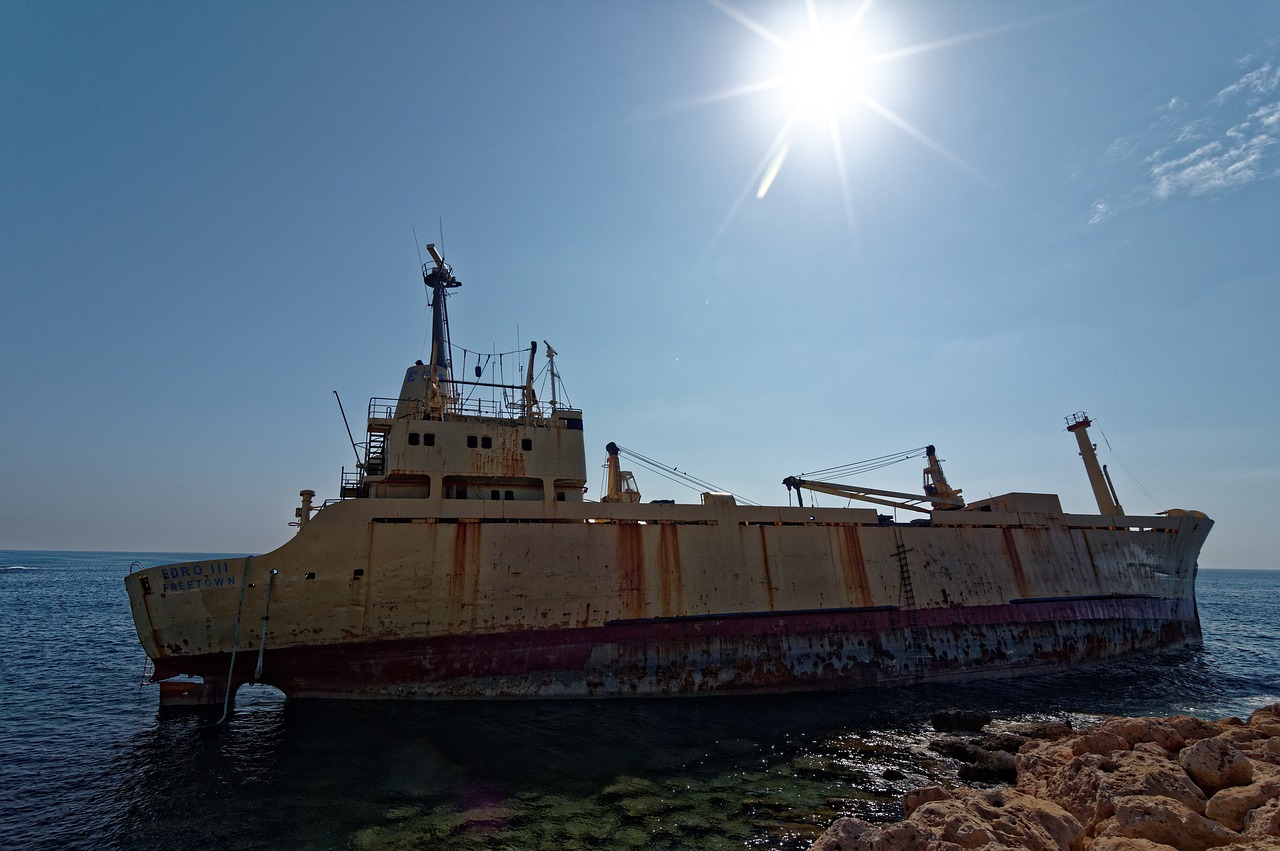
x: 937, y: 492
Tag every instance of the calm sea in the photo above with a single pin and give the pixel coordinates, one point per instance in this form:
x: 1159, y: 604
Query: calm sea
x: 86, y: 763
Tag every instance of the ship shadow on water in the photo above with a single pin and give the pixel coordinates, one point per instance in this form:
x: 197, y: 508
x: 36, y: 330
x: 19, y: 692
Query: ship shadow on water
x: 733, y: 772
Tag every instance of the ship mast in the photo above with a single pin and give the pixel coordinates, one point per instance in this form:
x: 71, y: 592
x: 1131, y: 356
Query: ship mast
x: 439, y: 279
x: 1103, y: 491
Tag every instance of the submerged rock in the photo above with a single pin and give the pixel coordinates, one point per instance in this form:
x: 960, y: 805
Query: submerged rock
x: 952, y: 720
x: 1124, y: 784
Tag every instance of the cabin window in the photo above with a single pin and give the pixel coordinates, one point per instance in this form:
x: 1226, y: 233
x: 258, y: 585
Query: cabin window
x: 526, y: 444
x: 574, y: 423
x: 413, y: 438
x: 472, y: 441
x: 309, y: 575
x: 429, y: 439
x: 357, y: 573
x: 486, y: 443
x: 559, y: 496
x: 493, y: 487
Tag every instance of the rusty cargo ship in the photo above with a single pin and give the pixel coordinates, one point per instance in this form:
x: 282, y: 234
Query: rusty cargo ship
x: 462, y: 560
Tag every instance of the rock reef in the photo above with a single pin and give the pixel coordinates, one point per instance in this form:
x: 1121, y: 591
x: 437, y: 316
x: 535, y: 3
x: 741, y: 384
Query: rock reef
x: 1125, y: 784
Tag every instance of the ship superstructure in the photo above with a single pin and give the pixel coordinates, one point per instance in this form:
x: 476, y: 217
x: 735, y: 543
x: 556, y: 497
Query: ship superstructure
x: 462, y: 561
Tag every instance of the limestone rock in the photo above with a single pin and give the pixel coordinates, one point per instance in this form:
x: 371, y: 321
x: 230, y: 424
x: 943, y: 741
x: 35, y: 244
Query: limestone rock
x: 1264, y: 821
x: 1000, y: 818
x: 1231, y: 807
x: 1046, y: 730
x: 1264, y: 752
x: 1128, y: 843
x: 1127, y: 784
x: 1136, y: 730
x: 1151, y: 748
x: 1099, y: 742
x: 1267, y: 719
x: 1088, y: 785
x: 1216, y: 764
x: 917, y: 797
x: 852, y: 834
x: 1193, y: 729
x: 1167, y: 821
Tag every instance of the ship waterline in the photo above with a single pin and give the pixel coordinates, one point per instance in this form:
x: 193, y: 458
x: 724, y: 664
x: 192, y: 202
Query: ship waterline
x: 374, y: 600
x: 463, y: 561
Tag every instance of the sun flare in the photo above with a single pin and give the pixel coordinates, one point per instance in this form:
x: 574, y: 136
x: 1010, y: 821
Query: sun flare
x: 826, y: 75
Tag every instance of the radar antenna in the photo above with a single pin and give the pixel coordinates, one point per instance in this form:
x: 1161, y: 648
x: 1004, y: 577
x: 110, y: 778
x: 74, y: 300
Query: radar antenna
x: 439, y: 279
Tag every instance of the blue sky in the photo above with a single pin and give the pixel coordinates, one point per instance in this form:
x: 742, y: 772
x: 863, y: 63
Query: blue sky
x: 1008, y: 212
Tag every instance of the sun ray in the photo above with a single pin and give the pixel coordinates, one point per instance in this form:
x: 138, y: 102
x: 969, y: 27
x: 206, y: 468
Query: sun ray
x: 781, y: 140
x: 913, y: 50
x: 704, y: 100
x: 919, y: 135
x: 753, y: 25
x: 837, y: 150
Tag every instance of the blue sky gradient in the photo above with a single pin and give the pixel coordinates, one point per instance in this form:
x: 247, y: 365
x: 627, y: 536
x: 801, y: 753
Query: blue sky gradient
x: 1019, y: 210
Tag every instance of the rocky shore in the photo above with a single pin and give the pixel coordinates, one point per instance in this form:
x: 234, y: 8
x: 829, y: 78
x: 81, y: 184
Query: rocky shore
x: 1125, y: 784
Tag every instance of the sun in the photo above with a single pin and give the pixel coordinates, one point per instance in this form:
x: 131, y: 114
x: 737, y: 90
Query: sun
x: 825, y: 74
x: 828, y: 74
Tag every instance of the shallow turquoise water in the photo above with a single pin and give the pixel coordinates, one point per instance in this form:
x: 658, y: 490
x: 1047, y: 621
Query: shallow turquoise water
x: 86, y: 763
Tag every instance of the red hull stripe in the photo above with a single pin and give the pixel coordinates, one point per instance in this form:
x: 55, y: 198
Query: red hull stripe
x: 755, y: 652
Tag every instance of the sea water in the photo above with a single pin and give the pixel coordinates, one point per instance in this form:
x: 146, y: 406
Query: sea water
x: 86, y: 762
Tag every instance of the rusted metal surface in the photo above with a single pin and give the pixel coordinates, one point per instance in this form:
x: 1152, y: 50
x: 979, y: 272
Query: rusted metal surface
x: 750, y: 653
x: 396, y: 598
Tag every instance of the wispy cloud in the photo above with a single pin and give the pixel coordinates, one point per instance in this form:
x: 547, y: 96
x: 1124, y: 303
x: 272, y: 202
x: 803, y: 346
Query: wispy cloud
x: 1209, y: 149
x: 1258, y: 83
x: 1222, y: 166
x: 1229, y: 152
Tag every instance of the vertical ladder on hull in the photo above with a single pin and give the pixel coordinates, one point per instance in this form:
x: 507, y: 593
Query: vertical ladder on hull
x: 907, y: 594
x: 914, y: 652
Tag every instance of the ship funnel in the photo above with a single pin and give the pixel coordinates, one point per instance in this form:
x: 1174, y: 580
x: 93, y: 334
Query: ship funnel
x: 621, y: 484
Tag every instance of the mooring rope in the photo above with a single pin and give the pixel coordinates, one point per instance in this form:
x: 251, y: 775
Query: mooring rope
x: 235, y: 641
x: 266, y: 616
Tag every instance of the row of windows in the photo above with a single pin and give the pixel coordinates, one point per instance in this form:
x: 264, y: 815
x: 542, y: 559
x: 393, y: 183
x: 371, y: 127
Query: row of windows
x: 473, y: 442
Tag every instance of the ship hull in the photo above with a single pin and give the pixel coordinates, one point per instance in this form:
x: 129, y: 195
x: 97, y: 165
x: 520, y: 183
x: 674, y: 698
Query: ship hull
x: 746, y: 654
x: 669, y: 600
